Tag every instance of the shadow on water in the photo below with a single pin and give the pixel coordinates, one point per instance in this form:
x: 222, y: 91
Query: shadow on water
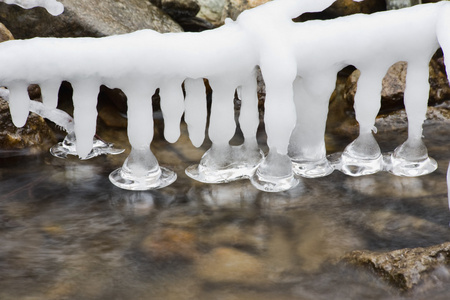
x: 67, y: 233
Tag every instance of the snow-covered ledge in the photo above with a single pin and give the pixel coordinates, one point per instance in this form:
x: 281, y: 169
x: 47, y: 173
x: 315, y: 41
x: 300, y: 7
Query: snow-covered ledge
x: 299, y: 63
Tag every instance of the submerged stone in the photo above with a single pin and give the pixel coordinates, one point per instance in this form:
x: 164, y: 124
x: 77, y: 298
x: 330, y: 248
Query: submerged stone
x: 405, y: 268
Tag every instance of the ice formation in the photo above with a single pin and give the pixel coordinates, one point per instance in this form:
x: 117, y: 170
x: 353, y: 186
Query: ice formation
x: 448, y: 184
x: 52, y: 6
x: 299, y: 63
x: 372, y: 43
x: 65, y: 122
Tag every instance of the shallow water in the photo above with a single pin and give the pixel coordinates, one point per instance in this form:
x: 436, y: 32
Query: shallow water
x: 67, y: 233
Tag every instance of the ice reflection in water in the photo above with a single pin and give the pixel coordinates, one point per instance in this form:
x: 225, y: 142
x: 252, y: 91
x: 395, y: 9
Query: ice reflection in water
x: 67, y: 233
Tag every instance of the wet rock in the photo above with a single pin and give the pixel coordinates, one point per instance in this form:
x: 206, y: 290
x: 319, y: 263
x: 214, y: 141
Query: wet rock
x: 36, y: 135
x: 405, y: 268
x: 322, y: 241
x: 394, y: 85
x: 229, y: 265
x: 87, y: 18
x: 170, y: 243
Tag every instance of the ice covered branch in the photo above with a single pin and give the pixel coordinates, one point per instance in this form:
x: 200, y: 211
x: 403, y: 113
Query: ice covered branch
x: 52, y: 6
x: 299, y: 63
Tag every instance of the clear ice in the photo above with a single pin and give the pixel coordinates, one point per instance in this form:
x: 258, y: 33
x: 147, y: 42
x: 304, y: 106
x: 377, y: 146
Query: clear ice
x: 299, y: 74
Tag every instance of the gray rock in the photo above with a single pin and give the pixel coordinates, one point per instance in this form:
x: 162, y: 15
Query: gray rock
x: 404, y: 268
x: 216, y: 11
x: 87, y: 18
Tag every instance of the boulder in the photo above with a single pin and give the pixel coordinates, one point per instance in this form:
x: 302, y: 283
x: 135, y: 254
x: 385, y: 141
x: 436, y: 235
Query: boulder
x: 35, y: 136
x: 87, y: 18
x: 405, y: 268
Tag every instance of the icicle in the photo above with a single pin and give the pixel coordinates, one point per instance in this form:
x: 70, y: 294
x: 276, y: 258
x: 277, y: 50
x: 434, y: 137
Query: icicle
x: 195, y: 110
x: 85, y: 95
x: 19, y: 102
x: 172, y: 107
x: 49, y: 92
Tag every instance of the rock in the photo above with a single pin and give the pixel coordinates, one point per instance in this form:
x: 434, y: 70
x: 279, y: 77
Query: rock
x: 344, y: 8
x: 229, y: 265
x: 36, y: 135
x: 184, y: 13
x: 242, y: 236
x: 87, y: 18
x: 399, y: 119
x: 394, y: 85
x: 5, y: 34
x: 216, y: 11
x: 170, y: 243
x: 321, y: 240
x: 439, y: 85
x: 404, y: 268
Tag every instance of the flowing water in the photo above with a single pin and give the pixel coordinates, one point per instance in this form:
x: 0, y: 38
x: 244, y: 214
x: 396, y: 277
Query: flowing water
x: 67, y: 233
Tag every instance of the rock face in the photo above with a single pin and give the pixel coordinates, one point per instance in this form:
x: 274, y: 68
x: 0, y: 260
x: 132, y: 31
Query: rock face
x: 405, y: 268
x: 35, y: 135
x: 184, y: 12
x: 87, y: 18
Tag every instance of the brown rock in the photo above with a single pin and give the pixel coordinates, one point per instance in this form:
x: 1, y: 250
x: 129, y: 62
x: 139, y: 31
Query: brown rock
x: 227, y: 265
x: 404, y: 268
x: 36, y: 135
x: 170, y: 243
x: 5, y: 34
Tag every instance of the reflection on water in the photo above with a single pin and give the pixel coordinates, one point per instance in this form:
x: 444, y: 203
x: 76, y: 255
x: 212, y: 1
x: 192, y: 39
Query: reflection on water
x: 67, y: 233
